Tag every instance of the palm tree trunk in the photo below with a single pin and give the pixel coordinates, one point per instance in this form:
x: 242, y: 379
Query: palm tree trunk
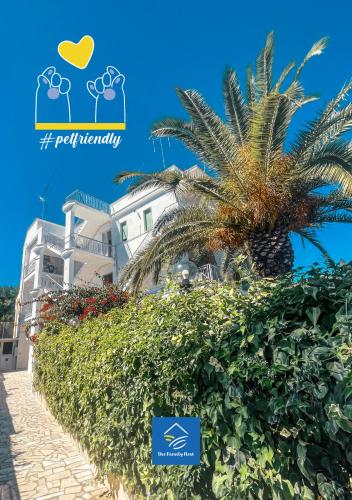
x: 271, y: 250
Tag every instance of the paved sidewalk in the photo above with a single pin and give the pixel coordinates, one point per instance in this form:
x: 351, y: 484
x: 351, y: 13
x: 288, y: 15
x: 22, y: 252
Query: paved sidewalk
x: 37, y: 460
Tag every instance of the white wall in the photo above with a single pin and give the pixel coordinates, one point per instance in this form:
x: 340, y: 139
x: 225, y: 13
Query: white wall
x: 134, y: 216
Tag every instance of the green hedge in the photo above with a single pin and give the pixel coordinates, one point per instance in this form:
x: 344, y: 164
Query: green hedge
x: 268, y: 372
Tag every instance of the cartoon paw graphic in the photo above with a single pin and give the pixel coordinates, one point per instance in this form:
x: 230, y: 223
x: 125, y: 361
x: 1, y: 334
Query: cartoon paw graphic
x: 52, y: 102
x: 109, y: 96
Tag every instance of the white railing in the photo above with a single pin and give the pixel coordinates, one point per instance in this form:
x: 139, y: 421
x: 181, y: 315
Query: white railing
x: 89, y: 200
x: 93, y: 246
x: 49, y: 283
x: 54, y: 240
x: 208, y: 272
x: 29, y: 268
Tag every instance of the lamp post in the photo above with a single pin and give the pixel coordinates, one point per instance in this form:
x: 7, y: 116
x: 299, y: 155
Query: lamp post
x: 185, y: 283
x: 186, y: 271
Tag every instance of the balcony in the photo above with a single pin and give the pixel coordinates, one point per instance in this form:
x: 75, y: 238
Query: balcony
x: 89, y: 201
x: 51, y: 283
x: 29, y: 268
x: 54, y: 240
x: 95, y: 247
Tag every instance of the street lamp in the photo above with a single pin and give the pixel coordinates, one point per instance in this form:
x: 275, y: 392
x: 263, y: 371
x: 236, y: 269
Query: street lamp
x: 186, y: 271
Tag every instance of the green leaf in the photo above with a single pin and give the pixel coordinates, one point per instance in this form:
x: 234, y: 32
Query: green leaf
x: 334, y: 413
x: 303, y: 463
x: 313, y: 314
x: 336, y: 370
x: 320, y: 390
x: 326, y: 489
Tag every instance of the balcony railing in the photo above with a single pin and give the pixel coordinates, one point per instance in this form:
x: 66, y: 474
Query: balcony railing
x: 89, y: 200
x: 54, y: 240
x: 29, y: 268
x: 49, y: 283
x: 92, y: 246
x: 209, y: 272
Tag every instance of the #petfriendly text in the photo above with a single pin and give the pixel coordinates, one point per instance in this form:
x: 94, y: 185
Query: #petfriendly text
x: 76, y: 139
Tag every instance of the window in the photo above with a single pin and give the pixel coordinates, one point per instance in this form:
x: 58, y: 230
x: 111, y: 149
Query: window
x: 7, y: 348
x: 123, y: 231
x: 148, y: 220
x: 107, y: 243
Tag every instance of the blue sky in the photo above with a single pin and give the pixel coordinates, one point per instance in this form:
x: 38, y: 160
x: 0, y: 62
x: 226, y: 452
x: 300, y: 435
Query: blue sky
x: 158, y: 45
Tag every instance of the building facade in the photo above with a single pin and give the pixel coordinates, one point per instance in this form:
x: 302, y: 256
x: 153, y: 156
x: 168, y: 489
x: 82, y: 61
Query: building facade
x: 92, y: 247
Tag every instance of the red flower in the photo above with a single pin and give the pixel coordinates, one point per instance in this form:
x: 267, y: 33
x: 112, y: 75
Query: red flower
x: 34, y: 338
x: 104, y: 301
x: 45, y: 307
x: 88, y: 310
x: 91, y: 300
x: 113, y: 297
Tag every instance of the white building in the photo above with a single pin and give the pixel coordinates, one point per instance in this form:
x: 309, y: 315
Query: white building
x: 95, y: 243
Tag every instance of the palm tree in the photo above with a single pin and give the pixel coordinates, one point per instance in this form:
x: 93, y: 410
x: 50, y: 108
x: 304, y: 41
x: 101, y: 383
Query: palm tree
x: 259, y: 190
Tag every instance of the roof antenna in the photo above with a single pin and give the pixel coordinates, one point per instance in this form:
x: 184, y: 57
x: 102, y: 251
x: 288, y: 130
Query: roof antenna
x: 43, y: 197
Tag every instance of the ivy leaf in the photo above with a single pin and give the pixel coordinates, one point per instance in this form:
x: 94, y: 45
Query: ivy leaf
x: 313, y: 314
x: 334, y: 413
x: 326, y: 489
x: 336, y: 370
x: 320, y: 390
x: 303, y: 463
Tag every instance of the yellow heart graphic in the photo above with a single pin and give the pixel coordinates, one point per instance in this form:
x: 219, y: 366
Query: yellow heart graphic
x: 77, y: 54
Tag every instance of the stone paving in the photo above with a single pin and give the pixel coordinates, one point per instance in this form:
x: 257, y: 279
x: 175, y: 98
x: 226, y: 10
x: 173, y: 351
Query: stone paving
x: 37, y: 459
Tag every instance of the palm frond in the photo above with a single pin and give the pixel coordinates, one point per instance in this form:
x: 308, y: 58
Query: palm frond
x: 126, y: 175
x: 295, y: 93
x: 335, y: 103
x: 214, y: 191
x: 181, y: 130
x: 251, y: 88
x: 309, y: 234
x: 332, y: 163
x: 321, y: 131
x: 170, y: 180
x: 268, y: 128
x: 265, y: 65
x: 167, y: 217
x: 316, y: 50
x: 299, y: 103
x: 190, y: 228
x: 218, y: 143
x: 343, y: 204
x: 286, y: 71
x: 326, y: 218
x: 235, y: 106
x: 337, y: 199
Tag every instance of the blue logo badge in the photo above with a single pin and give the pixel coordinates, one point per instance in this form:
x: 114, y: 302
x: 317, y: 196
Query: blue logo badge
x: 175, y: 441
